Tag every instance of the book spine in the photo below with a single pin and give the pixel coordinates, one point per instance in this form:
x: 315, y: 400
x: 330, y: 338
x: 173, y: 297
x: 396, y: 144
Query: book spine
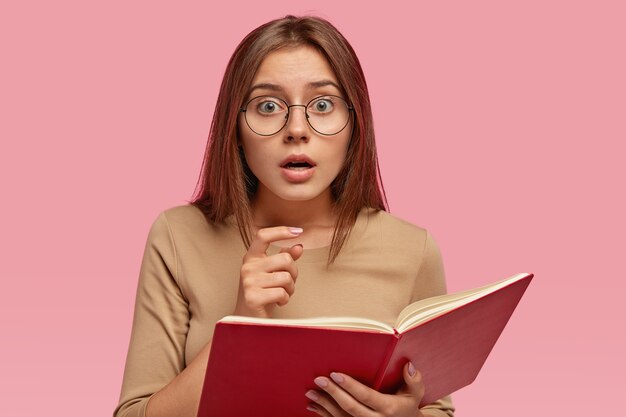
x: 385, y: 363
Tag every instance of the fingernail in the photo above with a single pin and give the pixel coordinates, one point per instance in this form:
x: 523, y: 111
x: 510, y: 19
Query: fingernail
x: 300, y: 244
x: 311, y: 408
x: 312, y: 395
x: 321, y: 382
x: 411, y: 369
x: 296, y: 230
x: 336, y: 377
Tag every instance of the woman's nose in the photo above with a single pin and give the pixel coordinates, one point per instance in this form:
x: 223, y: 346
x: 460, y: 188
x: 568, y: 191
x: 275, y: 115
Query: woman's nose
x: 297, y: 125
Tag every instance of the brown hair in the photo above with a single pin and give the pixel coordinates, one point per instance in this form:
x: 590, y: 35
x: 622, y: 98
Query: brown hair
x: 226, y: 184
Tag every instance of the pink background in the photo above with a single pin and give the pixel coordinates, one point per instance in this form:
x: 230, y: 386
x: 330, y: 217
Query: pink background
x: 500, y: 128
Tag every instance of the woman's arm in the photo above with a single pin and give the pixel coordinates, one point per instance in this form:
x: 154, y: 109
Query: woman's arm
x: 160, y: 325
x: 157, y: 381
x: 181, y: 396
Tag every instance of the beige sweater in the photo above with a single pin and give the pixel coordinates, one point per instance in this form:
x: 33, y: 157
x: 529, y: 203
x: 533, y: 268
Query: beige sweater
x: 189, y: 279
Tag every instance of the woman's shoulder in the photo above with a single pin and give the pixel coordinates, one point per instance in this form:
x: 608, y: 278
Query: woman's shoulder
x: 187, y: 221
x: 394, y: 227
x: 184, y: 214
x: 399, y: 241
x: 192, y: 236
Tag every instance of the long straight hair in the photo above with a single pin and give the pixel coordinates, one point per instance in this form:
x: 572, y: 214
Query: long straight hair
x: 226, y: 185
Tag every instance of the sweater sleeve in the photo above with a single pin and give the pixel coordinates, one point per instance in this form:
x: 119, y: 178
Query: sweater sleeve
x: 160, y: 324
x: 431, y: 281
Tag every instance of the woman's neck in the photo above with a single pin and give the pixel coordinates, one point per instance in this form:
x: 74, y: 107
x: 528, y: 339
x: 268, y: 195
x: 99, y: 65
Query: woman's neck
x: 269, y: 210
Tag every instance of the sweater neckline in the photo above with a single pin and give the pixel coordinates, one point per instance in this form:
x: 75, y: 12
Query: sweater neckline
x: 321, y: 253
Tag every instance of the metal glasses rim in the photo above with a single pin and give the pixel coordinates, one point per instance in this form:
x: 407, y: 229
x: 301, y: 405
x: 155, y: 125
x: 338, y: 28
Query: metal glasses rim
x: 350, y: 110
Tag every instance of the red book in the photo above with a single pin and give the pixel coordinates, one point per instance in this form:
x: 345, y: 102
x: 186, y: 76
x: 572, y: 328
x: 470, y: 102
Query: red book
x: 263, y: 367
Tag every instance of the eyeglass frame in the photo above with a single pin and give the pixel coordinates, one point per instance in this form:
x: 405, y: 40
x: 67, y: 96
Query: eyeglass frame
x: 306, y: 113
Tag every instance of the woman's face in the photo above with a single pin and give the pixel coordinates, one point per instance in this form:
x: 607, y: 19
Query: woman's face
x: 295, y: 75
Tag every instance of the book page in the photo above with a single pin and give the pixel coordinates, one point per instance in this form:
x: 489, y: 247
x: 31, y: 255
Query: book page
x: 410, y: 316
x: 426, y: 309
x: 346, y: 323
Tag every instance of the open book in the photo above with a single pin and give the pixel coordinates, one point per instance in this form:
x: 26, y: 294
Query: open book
x: 263, y: 367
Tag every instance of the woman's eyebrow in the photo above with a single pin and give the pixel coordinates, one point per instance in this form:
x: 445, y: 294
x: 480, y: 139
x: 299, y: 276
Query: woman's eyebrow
x: 322, y: 83
x: 266, y: 86
x: 312, y: 85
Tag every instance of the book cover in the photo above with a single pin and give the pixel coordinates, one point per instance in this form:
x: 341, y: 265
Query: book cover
x: 264, y: 368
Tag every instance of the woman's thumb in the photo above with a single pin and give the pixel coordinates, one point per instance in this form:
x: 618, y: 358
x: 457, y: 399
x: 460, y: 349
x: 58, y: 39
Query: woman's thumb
x: 413, y: 380
x: 295, y: 251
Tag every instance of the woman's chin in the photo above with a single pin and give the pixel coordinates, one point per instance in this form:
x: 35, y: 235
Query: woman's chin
x: 298, y: 196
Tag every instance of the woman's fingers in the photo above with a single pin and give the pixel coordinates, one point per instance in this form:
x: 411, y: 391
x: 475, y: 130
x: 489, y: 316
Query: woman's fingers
x: 413, y: 384
x: 295, y: 251
x: 317, y: 408
x: 273, y: 296
x: 263, y: 238
x: 281, y: 262
x: 278, y: 279
x: 257, y: 269
x: 267, y: 281
x: 343, y: 395
x: 351, y: 396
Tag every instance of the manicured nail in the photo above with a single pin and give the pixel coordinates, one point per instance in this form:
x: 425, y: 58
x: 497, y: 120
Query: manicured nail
x: 296, y: 230
x: 321, y: 382
x: 312, y: 395
x: 411, y: 369
x: 336, y: 377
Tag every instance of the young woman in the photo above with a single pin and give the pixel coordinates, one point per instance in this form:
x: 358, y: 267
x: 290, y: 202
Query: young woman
x: 289, y: 221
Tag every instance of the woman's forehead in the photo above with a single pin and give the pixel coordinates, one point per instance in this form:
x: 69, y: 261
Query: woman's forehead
x: 307, y: 87
x: 301, y: 68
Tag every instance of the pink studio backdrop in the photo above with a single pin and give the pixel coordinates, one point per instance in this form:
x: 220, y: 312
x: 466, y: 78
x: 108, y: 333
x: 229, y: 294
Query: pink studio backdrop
x: 500, y: 128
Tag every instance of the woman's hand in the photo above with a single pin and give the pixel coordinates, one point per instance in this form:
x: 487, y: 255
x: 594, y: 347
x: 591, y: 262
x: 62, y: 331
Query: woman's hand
x: 266, y: 281
x: 343, y: 396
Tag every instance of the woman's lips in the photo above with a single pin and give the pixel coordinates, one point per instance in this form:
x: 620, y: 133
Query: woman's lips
x: 297, y: 174
x: 297, y: 168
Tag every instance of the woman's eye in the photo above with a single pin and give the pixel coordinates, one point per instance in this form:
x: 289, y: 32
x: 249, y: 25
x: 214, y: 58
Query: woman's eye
x: 268, y: 107
x: 323, y: 105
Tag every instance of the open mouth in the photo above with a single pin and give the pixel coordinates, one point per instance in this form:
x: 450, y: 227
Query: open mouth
x: 297, y: 166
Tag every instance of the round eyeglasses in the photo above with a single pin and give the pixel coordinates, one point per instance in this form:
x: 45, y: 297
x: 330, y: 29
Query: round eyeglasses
x: 267, y: 115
